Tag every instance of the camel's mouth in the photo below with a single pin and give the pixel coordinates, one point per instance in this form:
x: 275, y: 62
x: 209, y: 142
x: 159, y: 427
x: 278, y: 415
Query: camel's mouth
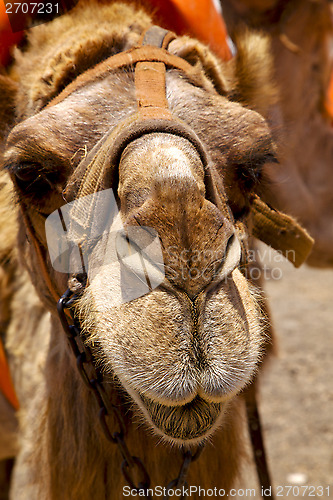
x: 187, y: 422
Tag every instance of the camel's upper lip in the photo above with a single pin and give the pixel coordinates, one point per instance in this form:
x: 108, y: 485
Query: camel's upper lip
x: 183, y: 422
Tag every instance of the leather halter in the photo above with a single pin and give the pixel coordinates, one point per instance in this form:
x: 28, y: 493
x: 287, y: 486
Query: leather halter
x: 151, y: 59
x: 152, y: 52
x: 154, y: 115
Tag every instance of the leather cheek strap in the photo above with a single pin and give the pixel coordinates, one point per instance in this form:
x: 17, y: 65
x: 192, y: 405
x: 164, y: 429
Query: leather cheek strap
x: 280, y: 232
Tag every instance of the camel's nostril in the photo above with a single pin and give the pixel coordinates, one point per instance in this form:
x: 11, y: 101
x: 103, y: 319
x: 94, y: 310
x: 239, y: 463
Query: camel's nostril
x: 231, y: 258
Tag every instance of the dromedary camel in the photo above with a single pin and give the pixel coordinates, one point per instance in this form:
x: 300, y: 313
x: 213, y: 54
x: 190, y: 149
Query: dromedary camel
x: 185, y: 162
x: 300, y: 32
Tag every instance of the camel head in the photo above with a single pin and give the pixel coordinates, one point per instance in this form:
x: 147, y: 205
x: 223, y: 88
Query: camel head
x: 186, y: 347
x: 188, y: 343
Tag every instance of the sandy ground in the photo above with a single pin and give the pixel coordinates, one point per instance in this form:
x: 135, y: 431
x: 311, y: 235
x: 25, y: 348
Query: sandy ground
x: 296, y: 397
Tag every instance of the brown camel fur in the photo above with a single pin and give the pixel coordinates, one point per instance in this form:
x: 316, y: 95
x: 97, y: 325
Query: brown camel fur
x: 179, y: 357
x: 300, y: 32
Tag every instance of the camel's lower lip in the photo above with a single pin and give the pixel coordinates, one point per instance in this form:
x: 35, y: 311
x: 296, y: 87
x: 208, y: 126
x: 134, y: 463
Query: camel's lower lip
x: 183, y: 422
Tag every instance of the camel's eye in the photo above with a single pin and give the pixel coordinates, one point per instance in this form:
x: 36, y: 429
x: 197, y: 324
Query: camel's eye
x: 34, y: 179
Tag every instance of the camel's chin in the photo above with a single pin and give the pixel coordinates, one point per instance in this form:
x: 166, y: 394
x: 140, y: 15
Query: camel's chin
x: 190, y: 423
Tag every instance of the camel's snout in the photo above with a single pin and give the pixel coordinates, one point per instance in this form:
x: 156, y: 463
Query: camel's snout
x: 161, y: 185
x: 197, y: 242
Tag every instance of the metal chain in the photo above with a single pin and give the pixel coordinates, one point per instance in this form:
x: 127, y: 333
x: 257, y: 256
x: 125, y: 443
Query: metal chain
x: 180, y: 480
x: 93, y: 379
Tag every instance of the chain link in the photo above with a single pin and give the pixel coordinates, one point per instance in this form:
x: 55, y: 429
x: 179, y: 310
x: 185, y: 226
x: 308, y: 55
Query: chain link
x: 93, y: 379
x: 180, y: 480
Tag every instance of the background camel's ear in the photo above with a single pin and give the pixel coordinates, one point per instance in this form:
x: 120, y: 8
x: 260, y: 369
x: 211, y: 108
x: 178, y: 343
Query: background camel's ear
x: 8, y: 90
x: 252, y: 73
x: 195, y: 52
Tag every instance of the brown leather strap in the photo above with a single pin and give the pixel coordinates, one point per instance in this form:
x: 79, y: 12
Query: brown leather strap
x: 150, y: 86
x: 130, y: 58
x: 40, y: 254
x: 257, y: 442
x: 103, y: 159
x: 150, y: 90
x: 281, y: 232
x: 157, y: 37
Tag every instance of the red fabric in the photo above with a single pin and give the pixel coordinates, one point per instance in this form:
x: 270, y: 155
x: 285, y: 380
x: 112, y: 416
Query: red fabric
x: 329, y: 98
x: 198, y: 18
x: 7, y: 38
x: 6, y: 384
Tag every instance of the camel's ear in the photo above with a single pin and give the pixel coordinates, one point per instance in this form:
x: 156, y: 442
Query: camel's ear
x: 195, y: 52
x: 8, y: 90
x: 253, y: 73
